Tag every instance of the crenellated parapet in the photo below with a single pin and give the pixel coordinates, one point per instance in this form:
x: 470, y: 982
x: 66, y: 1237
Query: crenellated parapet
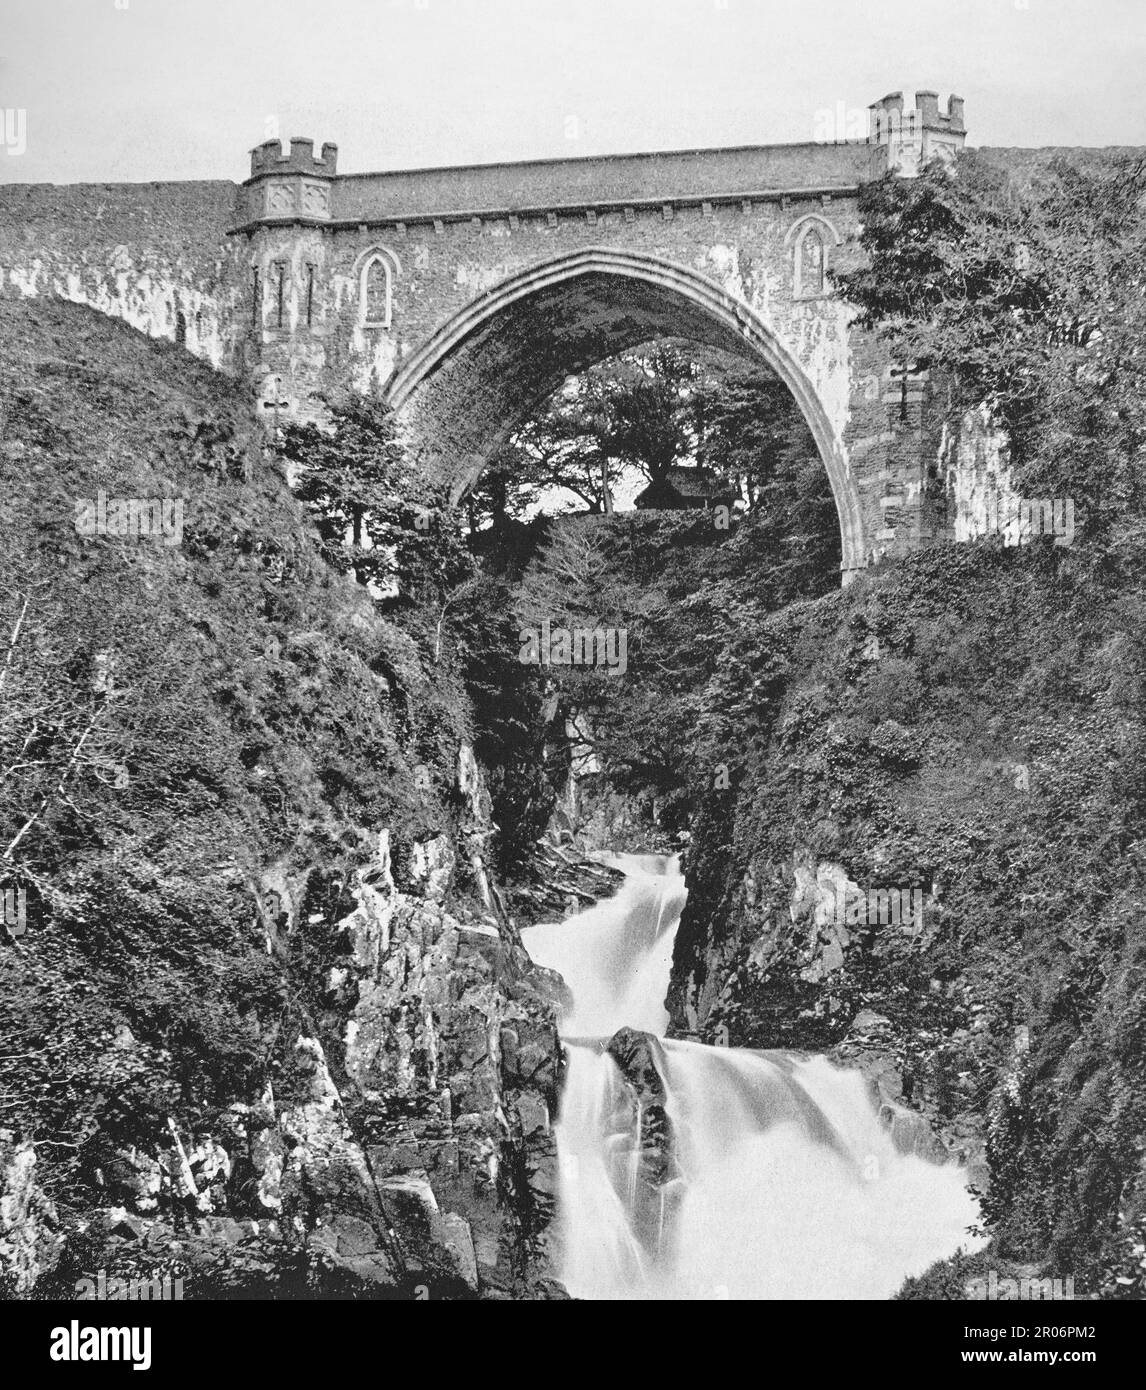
x: 464, y: 295
x: 912, y: 137
x: 268, y: 158
x: 291, y: 186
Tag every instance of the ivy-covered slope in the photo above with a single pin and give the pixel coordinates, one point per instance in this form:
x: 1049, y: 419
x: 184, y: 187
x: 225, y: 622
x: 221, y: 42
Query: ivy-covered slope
x: 201, y: 743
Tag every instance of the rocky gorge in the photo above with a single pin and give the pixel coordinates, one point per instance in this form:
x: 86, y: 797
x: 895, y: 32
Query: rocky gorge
x: 272, y: 1030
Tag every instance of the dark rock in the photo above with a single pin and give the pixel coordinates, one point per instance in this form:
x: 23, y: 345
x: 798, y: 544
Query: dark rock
x: 123, y: 1225
x: 225, y: 1230
x: 354, y: 1236
x: 659, y: 1185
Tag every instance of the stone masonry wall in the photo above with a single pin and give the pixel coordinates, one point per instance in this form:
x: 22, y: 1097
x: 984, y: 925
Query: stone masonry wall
x: 155, y: 255
x: 271, y: 291
x: 439, y: 268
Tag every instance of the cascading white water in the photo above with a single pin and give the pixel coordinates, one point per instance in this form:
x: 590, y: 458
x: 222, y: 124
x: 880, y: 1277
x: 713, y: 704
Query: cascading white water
x: 782, y: 1181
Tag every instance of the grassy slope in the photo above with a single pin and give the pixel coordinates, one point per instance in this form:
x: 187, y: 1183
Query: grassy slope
x: 258, y: 713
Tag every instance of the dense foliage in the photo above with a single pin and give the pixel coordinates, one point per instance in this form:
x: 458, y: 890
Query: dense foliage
x: 669, y: 588
x: 970, y: 722
x: 628, y: 421
x: 176, y: 719
x: 1026, y: 294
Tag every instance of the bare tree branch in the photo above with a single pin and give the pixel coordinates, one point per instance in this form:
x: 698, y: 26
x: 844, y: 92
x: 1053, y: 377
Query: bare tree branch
x: 12, y: 643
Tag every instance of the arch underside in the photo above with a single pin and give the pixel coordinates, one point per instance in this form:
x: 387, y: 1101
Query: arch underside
x: 486, y: 371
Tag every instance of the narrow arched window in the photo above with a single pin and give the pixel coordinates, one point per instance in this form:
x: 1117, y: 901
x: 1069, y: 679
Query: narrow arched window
x: 811, y: 257
x: 375, y: 293
x: 280, y: 294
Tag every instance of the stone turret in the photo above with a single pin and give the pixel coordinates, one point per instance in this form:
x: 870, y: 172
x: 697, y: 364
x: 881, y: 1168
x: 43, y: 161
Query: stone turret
x: 294, y: 185
x: 911, y: 138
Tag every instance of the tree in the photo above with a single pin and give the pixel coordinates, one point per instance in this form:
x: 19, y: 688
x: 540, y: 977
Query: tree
x: 749, y: 423
x: 376, y: 517
x: 639, y: 416
x: 1028, y: 298
x: 634, y: 415
x: 645, y: 410
x: 555, y: 451
x: 576, y: 583
x: 352, y: 477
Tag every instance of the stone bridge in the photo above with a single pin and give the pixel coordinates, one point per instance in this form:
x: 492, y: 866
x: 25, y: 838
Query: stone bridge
x: 468, y: 295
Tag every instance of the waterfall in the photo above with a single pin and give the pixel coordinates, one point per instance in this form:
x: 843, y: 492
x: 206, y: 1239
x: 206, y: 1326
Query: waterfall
x: 711, y: 1172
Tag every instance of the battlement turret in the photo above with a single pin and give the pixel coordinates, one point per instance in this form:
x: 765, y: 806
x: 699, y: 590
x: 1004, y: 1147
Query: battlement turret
x: 294, y: 185
x: 268, y: 158
x: 912, y: 138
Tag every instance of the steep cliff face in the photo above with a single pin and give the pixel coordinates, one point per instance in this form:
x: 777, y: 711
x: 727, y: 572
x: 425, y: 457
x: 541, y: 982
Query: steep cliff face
x: 451, y: 1055
x: 409, y: 1154
x: 403, y: 1149
x: 267, y: 1020
x: 926, y: 861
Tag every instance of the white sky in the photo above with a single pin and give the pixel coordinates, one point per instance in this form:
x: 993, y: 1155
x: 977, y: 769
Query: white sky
x: 176, y: 89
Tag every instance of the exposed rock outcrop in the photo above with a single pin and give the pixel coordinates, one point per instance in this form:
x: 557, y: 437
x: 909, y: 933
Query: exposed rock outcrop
x: 451, y: 1053
x: 567, y: 882
x: 659, y: 1183
x: 30, y: 1236
x: 799, y: 926
x: 407, y: 1147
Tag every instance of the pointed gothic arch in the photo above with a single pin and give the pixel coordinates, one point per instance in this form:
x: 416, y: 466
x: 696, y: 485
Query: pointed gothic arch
x: 811, y: 241
x: 375, y: 271
x: 465, y: 390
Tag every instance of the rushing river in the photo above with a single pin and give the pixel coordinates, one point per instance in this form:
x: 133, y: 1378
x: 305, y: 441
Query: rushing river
x: 781, y: 1181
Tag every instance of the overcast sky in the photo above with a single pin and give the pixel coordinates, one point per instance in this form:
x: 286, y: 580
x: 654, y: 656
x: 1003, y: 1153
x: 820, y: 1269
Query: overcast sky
x: 177, y: 89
